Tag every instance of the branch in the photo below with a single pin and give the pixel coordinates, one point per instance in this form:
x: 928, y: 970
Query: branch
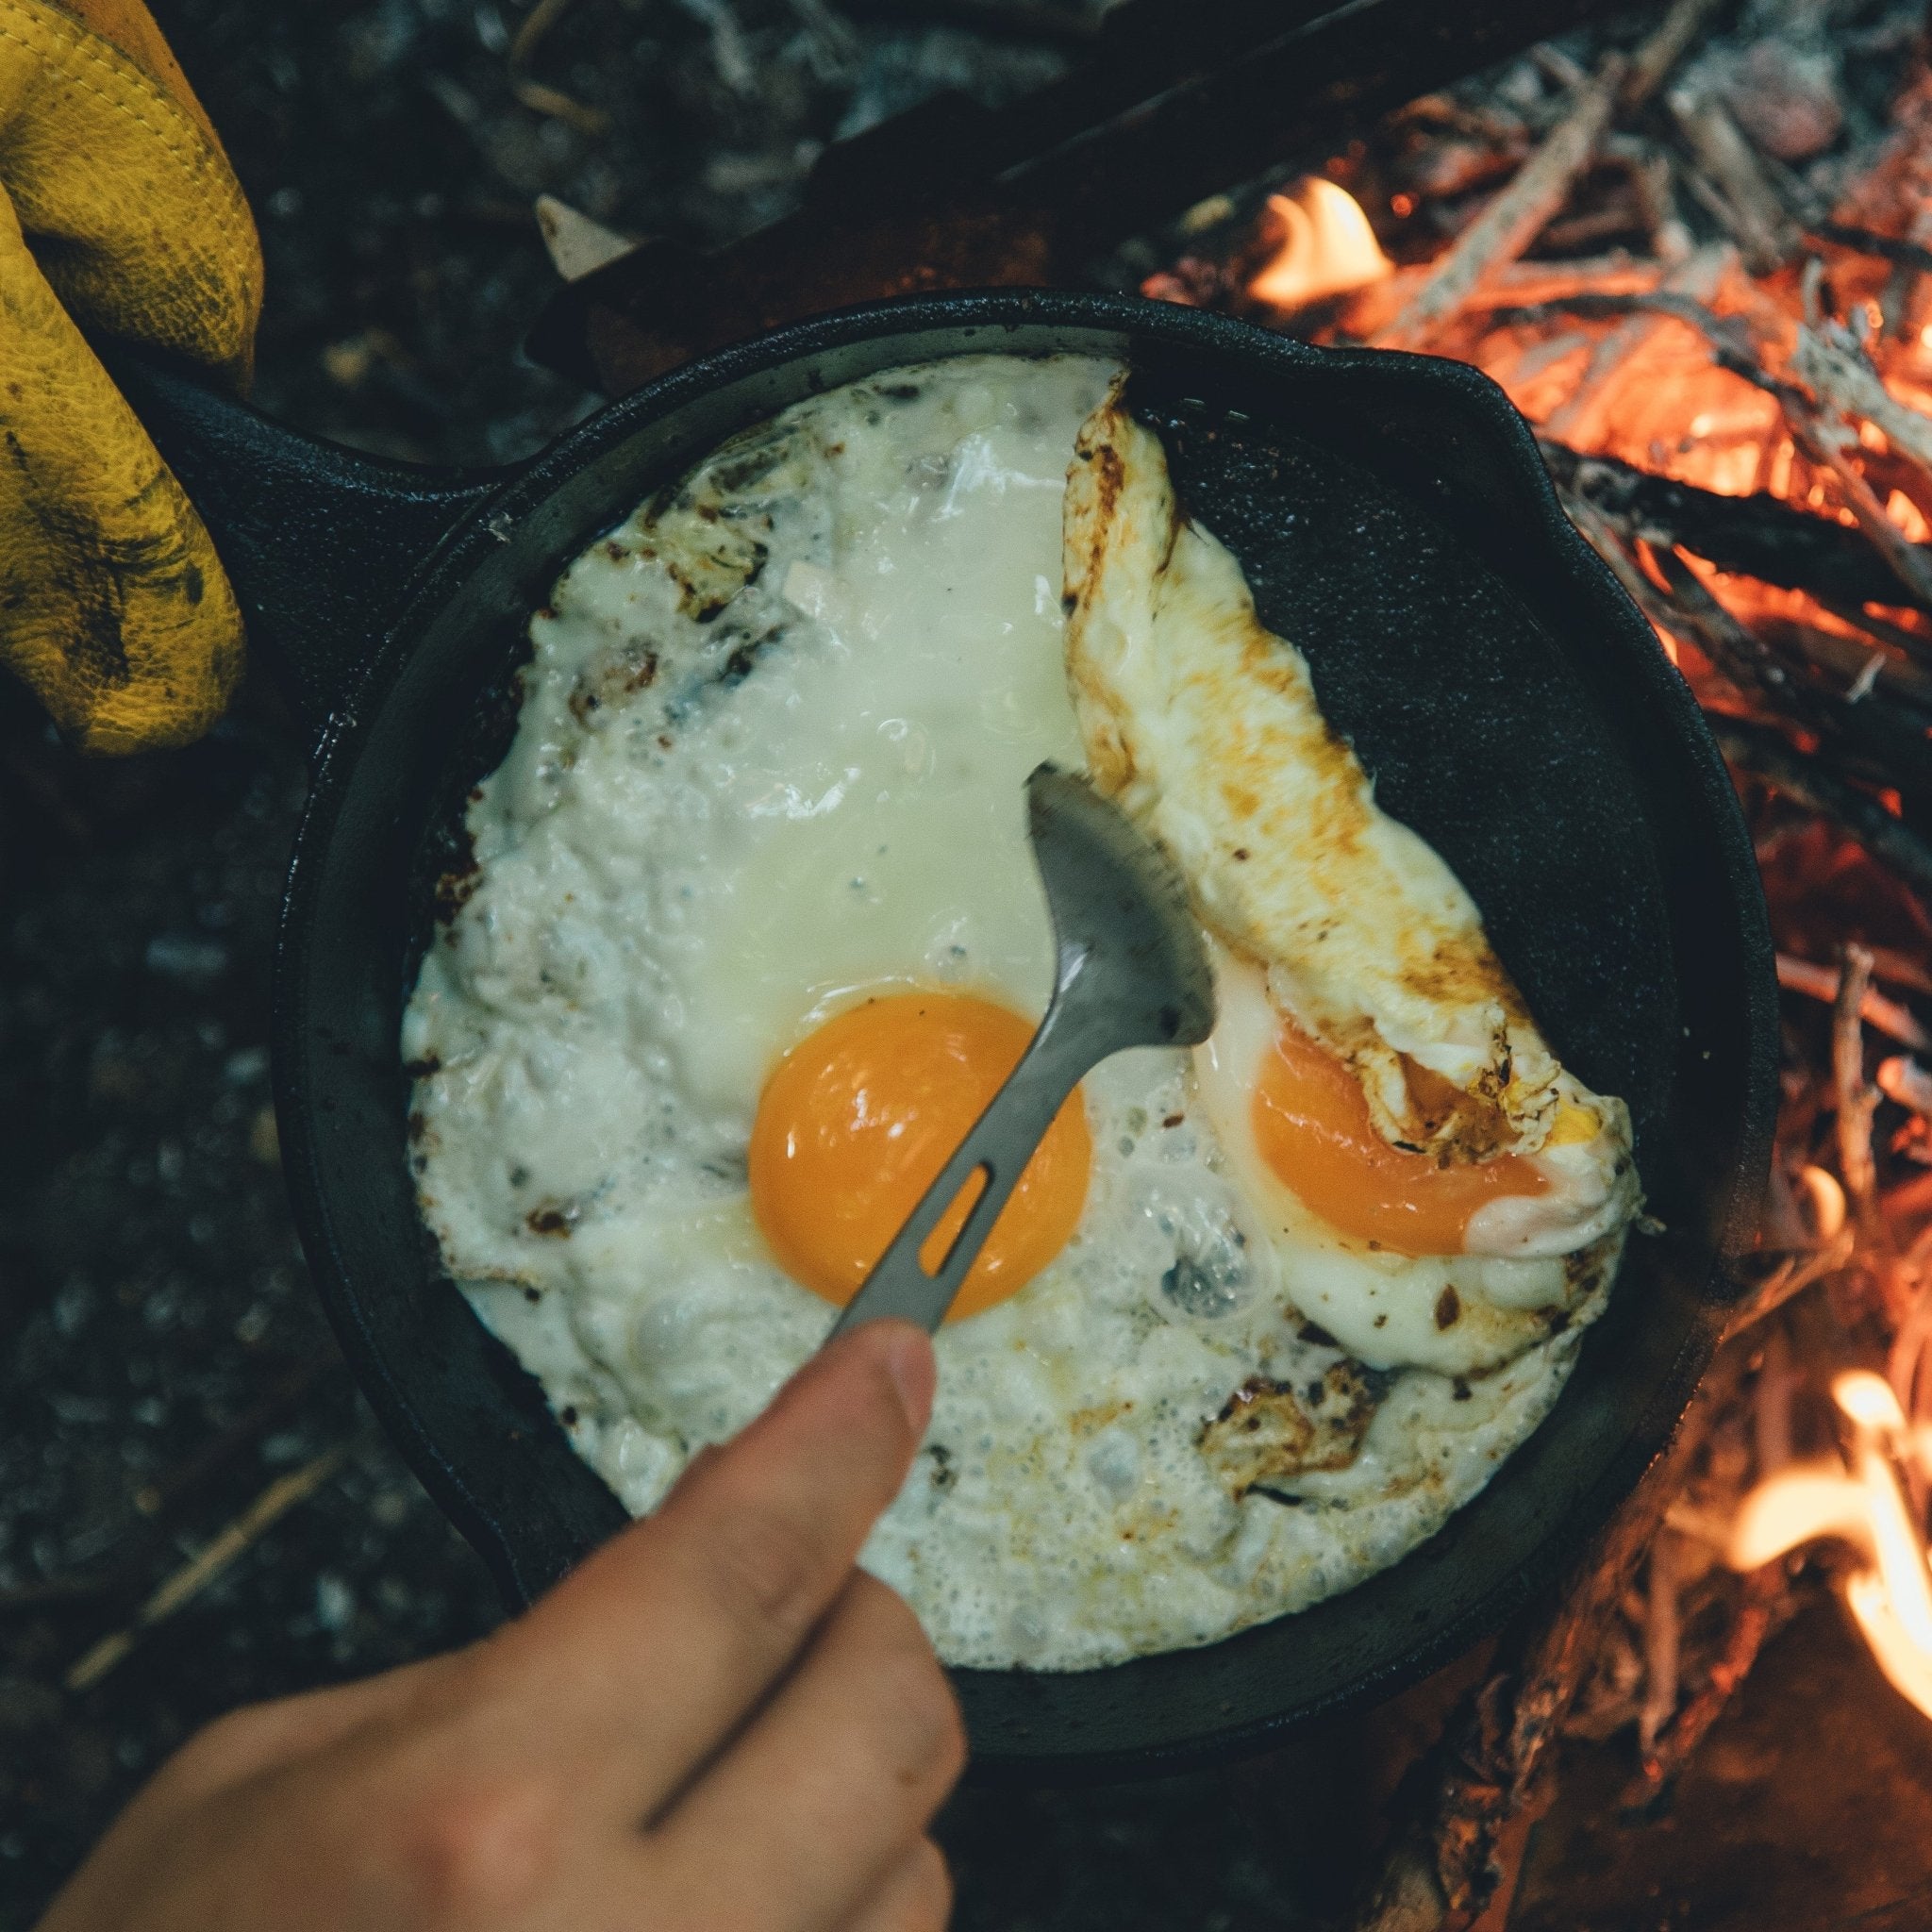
x: 1515, y: 219
x: 1759, y: 536
x: 1826, y: 983
x: 1768, y: 754
x: 1768, y: 1603
x: 1732, y: 183
x: 1856, y: 1099
x: 194, y: 1576
x: 1441, y: 1869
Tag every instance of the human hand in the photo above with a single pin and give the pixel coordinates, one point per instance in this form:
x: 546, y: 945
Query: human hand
x: 716, y: 1723
x: 119, y: 215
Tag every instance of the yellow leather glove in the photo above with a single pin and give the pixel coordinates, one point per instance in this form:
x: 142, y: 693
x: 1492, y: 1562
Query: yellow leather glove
x: 118, y: 214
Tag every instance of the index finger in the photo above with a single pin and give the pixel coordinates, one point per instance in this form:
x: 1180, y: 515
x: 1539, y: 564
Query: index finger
x: 646, y: 1658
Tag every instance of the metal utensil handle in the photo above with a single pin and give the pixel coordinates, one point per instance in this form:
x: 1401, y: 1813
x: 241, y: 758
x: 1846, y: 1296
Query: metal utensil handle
x: 1003, y: 1139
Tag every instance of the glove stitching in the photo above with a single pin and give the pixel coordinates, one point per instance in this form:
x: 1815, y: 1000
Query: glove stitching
x: 187, y: 153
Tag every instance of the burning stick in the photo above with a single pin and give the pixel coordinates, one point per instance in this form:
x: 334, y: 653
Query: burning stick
x: 1874, y: 1009
x: 1833, y: 362
x: 1828, y: 444
x: 1520, y: 212
x: 1762, y: 537
x: 1442, y: 1868
x: 1891, y: 735
x: 1768, y: 754
x: 1769, y: 1604
x: 1857, y: 1101
x: 1688, y: 610
x: 1696, y: 277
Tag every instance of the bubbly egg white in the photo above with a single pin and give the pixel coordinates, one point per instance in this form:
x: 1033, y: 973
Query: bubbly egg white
x: 771, y: 754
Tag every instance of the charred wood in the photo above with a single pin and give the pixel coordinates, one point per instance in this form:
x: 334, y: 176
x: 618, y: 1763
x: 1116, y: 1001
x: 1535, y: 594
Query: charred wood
x: 1891, y: 734
x: 1768, y: 1603
x: 1443, y: 1867
x: 1176, y: 103
x: 1766, y: 753
x: 1758, y: 536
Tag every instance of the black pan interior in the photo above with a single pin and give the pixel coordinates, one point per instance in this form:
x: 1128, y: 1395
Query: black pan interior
x: 1392, y: 519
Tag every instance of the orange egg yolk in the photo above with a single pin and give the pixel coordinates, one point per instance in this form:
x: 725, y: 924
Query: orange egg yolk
x: 1313, y: 1128
x: 858, y: 1118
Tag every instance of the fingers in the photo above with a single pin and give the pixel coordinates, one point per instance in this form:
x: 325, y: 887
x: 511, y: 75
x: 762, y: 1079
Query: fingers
x: 642, y: 1663
x: 794, y: 1826
x: 916, y: 1896
x: 262, y: 1737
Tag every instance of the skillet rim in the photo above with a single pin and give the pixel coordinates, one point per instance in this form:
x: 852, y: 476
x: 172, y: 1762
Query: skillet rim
x: 1665, y: 698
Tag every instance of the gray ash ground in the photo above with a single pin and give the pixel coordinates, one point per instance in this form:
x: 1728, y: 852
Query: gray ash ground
x: 161, y: 1357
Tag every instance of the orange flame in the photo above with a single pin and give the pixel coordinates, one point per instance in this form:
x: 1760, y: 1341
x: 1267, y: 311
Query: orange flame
x: 1858, y: 1500
x: 1327, y: 247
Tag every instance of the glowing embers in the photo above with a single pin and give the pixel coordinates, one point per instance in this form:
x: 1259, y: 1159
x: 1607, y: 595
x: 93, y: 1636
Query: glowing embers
x: 1861, y: 1500
x: 861, y: 1114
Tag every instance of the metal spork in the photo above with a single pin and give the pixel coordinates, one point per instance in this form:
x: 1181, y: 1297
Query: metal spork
x: 1129, y: 971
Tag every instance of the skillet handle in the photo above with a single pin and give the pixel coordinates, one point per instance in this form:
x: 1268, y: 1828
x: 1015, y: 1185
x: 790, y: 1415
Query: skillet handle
x: 320, y: 542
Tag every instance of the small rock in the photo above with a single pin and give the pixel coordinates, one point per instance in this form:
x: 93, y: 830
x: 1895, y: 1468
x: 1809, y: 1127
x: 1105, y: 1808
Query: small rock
x: 1786, y: 98
x: 335, y: 1602
x: 186, y: 959
x: 25, y: 1705
x: 246, y: 1065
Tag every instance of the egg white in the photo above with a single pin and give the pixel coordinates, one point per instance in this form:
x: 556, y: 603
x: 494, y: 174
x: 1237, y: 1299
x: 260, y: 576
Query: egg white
x: 769, y: 757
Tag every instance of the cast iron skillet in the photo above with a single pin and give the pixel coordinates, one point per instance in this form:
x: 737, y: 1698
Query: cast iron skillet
x: 1394, y: 519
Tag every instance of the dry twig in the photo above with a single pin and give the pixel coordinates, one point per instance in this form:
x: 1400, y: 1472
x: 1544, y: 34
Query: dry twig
x: 194, y: 1576
x: 1662, y: 1628
x: 1856, y: 1099
x: 1731, y: 182
x: 1790, y: 1280
x: 1666, y: 45
x: 1824, y: 983
x: 1515, y: 219
x: 539, y: 95
x: 1767, y: 1604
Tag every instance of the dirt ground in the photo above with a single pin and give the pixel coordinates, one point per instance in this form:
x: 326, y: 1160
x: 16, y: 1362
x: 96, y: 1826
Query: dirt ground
x: 161, y: 1358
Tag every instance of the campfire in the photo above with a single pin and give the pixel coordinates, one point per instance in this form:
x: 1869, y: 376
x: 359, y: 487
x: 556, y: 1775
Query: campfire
x: 1702, y: 267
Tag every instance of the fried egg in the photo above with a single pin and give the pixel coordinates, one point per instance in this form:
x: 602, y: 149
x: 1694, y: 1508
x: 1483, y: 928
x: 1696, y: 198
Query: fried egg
x: 753, y: 933
x: 1375, y: 1070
